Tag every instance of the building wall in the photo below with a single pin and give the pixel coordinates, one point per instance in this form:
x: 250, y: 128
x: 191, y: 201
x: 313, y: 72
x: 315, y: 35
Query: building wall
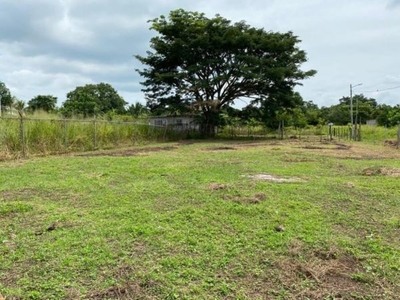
x: 178, y: 121
x: 371, y: 122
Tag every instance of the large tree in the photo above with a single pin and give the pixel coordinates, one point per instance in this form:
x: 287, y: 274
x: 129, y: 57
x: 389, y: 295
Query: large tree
x: 93, y: 99
x: 6, y: 99
x: 46, y: 103
x: 202, y: 65
x: 363, y: 107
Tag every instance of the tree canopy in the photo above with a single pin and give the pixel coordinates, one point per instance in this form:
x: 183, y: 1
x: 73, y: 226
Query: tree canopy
x: 93, y: 99
x: 5, y: 96
x: 46, y: 103
x: 364, y: 108
x: 201, y: 65
x: 137, y: 109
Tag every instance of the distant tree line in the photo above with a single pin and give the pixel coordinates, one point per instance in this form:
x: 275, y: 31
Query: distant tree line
x: 86, y: 101
x: 103, y: 99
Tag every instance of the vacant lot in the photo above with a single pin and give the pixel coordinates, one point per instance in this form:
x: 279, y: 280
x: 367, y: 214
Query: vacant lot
x: 203, y: 220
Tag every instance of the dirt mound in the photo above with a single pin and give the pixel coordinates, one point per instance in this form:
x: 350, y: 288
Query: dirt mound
x: 392, y: 143
x: 384, y: 171
x: 257, y: 198
x: 216, y: 186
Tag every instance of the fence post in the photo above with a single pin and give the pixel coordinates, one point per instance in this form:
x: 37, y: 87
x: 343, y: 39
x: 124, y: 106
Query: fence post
x: 22, y: 134
x: 95, y: 133
x: 133, y: 134
x: 165, y: 132
x: 398, y: 137
x: 65, y: 135
x: 281, y: 129
x: 117, y: 133
x: 384, y: 135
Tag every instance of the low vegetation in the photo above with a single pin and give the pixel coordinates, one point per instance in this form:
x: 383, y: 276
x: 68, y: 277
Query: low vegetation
x: 291, y: 219
x: 33, y: 137
x: 44, y: 134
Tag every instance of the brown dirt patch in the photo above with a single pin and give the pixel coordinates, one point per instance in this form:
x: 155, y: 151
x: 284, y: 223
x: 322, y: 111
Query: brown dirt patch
x: 126, y: 291
x: 353, y: 151
x: 325, y: 276
x: 217, y: 186
x: 315, y: 275
x: 312, y: 147
x: 327, y: 147
x: 221, y: 148
x: 23, y: 194
x: 252, y: 144
x: 127, y: 152
x: 128, y: 286
x: 391, y: 143
x: 257, y: 198
x: 383, y: 171
x: 342, y: 147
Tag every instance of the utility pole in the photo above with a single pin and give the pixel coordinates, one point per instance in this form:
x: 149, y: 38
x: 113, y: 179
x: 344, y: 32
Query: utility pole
x: 351, y: 110
x: 351, y: 113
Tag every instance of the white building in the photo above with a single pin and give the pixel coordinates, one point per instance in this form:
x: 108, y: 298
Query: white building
x: 178, y: 122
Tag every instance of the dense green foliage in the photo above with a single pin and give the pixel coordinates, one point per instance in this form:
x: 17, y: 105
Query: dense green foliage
x: 137, y: 110
x: 46, y: 103
x: 93, y: 99
x: 5, y: 97
x: 201, y: 66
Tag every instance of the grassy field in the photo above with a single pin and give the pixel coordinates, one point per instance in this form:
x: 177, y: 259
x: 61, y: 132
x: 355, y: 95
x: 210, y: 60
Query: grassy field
x: 203, y: 220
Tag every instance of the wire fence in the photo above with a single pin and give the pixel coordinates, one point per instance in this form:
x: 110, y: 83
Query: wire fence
x: 367, y: 133
x: 21, y: 137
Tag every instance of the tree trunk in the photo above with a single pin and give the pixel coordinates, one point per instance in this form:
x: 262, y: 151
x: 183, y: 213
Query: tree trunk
x: 207, y: 126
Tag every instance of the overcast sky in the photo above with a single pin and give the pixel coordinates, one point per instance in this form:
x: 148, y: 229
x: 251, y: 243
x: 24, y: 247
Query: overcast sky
x: 53, y: 46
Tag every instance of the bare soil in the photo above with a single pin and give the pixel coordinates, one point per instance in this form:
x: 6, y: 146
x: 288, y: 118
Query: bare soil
x: 127, y: 152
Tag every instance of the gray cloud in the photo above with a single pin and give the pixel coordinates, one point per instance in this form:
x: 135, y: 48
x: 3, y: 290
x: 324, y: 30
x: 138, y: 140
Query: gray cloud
x: 393, y: 4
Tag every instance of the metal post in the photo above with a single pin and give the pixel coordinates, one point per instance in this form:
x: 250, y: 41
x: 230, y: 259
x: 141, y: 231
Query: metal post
x: 351, y: 113
x: 352, y: 137
x: 357, y: 121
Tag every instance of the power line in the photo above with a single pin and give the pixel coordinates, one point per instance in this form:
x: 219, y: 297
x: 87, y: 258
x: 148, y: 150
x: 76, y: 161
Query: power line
x: 382, y: 90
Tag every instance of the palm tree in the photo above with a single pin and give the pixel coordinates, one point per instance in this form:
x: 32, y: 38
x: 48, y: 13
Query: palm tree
x: 19, y: 105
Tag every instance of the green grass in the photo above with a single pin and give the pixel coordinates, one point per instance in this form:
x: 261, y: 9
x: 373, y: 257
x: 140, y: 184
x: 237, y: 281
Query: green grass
x: 187, y: 221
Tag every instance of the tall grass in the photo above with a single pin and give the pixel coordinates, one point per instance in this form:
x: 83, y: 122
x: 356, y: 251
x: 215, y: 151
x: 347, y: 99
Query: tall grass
x: 43, y: 134
x: 377, y: 134
x: 49, y: 136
